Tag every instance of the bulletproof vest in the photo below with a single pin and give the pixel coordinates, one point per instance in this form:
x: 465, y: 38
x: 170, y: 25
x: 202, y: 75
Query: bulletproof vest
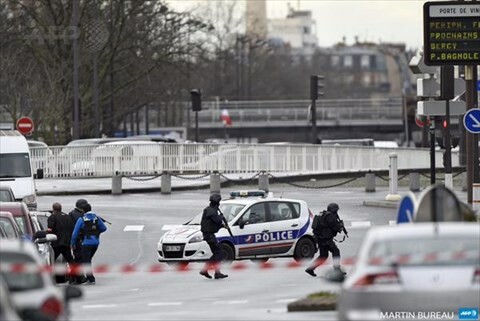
x: 208, y: 225
x: 90, y: 227
x: 320, y: 226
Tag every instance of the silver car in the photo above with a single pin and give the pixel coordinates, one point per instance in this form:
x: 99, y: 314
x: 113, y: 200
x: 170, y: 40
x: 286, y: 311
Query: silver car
x: 411, y: 270
x: 33, y: 291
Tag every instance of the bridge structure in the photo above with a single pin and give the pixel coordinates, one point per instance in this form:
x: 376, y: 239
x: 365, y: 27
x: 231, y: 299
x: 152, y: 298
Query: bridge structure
x: 290, y: 120
x: 137, y: 158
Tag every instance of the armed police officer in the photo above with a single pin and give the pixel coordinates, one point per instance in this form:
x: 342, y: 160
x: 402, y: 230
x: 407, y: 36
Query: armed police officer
x: 325, y: 228
x: 211, y: 223
x: 90, y: 226
x: 75, y: 214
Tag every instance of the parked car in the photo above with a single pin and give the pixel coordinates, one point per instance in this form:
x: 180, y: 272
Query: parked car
x: 413, y: 268
x: 8, y: 311
x: 6, y: 194
x: 3, y: 234
x: 34, y: 290
x: 9, y: 225
x: 263, y: 227
x: 40, y: 224
x: 22, y: 216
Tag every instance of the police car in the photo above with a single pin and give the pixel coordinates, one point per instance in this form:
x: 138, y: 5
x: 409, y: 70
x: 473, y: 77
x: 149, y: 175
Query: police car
x: 262, y: 226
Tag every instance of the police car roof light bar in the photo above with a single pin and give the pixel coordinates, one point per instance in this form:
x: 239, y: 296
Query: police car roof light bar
x: 253, y: 193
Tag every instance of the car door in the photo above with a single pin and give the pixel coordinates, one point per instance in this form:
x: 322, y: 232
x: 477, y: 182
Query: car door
x: 284, y: 225
x: 253, y: 238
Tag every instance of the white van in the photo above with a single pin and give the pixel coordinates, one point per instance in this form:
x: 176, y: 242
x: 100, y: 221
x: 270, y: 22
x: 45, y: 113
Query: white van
x: 16, y: 168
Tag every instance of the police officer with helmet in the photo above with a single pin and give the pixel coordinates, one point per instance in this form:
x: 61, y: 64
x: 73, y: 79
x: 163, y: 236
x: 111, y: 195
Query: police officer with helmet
x: 325, y: 228
x: 211, y: 223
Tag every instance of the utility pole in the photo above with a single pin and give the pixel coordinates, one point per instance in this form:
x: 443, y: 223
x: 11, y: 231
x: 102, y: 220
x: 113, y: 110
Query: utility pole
x: 76, y: 107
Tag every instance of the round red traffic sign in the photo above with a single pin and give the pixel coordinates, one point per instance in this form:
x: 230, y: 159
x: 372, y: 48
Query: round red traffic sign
x: 25, y: 125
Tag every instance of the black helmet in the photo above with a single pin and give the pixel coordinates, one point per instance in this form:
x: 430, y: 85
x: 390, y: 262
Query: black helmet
x: 332, y: 207
x: 80, y: 203
x: 215, y: 198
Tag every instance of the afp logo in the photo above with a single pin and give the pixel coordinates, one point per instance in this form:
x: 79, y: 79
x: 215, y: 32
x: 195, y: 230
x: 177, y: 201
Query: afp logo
x: 468, y: 314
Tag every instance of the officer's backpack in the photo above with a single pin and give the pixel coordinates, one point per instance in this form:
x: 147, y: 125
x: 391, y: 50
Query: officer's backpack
x: 319, y: 221
x: 90, y: 227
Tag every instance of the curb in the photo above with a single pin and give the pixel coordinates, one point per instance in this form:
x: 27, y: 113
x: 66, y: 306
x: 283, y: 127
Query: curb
x: 313, y: 304
x: 386, y: 204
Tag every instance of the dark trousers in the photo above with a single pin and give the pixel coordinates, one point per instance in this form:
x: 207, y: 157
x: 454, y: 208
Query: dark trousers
x: 77, y: 259
x: 325, y: 246
x: 88, y: 251
x: 65, y: 251
x: 217, y: 252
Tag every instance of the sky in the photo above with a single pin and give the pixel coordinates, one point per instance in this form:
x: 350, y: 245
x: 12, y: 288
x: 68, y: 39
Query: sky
x: 399, y: 21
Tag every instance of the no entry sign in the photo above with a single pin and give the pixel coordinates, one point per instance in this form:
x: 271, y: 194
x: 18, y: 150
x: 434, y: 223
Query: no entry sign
x: 25, y: 125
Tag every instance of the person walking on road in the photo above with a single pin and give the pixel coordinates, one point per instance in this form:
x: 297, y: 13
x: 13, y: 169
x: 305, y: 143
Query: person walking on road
x: 211, y: 223
x: 75, y: 214
x: 61, y: 225
x: 90, y: 226
x: 325, y: 228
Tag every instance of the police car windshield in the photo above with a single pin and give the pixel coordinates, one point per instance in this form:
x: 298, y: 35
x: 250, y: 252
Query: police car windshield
x: 230, y: 211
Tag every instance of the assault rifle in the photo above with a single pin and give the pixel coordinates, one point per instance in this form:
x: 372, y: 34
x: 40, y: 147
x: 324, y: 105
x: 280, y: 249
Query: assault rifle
x: 226, y: 223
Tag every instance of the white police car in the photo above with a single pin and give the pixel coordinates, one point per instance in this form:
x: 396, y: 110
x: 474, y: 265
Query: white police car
x: 262, y: 227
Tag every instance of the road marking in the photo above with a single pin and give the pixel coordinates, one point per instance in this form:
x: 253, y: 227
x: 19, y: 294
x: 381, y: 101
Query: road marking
x: 285, y: 300
x: 133, y: 228
x: 231, y: 302
x: 392, y: 223
x: 153, y: 304
x: 98, y: 306
x: 360, y: 224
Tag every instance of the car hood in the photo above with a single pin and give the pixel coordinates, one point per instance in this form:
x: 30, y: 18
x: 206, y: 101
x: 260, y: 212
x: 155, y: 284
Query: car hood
x: 182, y: 232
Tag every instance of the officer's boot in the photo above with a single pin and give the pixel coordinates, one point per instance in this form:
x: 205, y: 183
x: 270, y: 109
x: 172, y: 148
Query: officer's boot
x: 220, y: 275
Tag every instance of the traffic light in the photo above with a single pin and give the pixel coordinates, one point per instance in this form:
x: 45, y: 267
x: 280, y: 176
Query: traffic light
x: 316, y: 85
x: 196, y: 96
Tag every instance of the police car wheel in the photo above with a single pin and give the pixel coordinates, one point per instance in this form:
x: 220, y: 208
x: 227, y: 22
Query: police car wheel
x: 305, y: 249
x: 228, y: 252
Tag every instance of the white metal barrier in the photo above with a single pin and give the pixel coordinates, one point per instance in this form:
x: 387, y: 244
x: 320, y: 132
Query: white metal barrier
x: 151, y: 158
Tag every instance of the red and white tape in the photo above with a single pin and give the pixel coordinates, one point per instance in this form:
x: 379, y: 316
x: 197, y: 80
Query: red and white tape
x: 77, y: 269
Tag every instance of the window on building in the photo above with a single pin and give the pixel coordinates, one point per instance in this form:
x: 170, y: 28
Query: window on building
x: 365, y: 62
x: 348, y: 61
x: 306, y: 30
x: 335, y: 61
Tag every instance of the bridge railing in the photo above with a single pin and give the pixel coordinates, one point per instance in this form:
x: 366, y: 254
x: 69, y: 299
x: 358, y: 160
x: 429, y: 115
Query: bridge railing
x: 153, y: 159
x: 297, y: 112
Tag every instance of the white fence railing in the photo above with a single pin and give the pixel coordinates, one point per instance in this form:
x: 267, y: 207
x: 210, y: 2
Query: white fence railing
x: 152, y: 158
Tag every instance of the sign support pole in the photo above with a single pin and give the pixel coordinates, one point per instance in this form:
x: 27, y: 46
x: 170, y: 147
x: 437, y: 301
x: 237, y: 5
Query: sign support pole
x: 471, y: 76
x: 432, y: 150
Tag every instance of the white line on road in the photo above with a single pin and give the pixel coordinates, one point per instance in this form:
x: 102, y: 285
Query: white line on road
x: 98, y: 306
x: 133, y: 228
x: 231, y: 302
x: 285, y: 300
x: 360, y: 224
x: 154, y: 304
x: 392, y: 223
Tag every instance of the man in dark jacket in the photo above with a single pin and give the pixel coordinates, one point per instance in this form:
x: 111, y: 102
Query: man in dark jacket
x: 75, y: 214
x: 211, y: 223
x: 329, y: 225
x: 62, y: 226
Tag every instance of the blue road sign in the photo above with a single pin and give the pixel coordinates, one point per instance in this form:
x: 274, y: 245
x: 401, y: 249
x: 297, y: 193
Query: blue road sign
x: 406, y: 209
x: 471, y: 121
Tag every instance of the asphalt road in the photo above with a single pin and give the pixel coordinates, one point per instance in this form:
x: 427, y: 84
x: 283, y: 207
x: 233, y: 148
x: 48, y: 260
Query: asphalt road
x: 250, y: 294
